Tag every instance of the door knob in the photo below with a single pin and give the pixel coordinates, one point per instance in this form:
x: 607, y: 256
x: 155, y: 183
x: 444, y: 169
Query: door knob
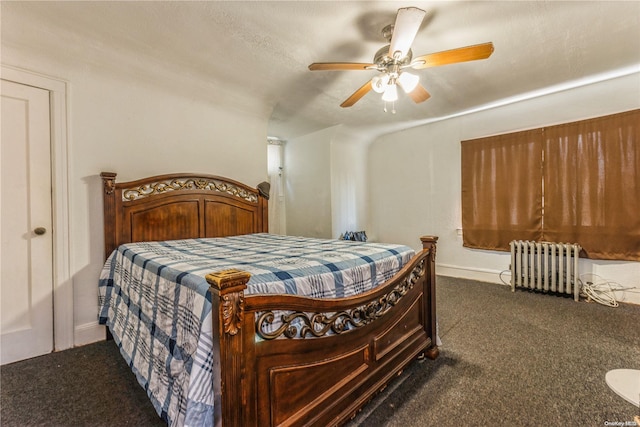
x: 40, y: 231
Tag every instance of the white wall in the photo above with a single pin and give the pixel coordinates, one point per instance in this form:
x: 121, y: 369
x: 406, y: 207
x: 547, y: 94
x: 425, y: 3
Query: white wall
x: 326, y: 188
x: 308, y: 184
x: 349, y: 193
x: 136, y: 126
x: 414, y: 176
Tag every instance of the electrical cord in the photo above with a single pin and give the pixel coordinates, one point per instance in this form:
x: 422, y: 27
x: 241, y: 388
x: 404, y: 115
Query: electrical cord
x: 594, y: 288
x: 602, y: 291
x: 502, y: 280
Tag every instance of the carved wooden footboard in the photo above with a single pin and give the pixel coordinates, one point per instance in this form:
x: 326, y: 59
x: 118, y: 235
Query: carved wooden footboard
x: 328, y: 357
x: 323, y: 369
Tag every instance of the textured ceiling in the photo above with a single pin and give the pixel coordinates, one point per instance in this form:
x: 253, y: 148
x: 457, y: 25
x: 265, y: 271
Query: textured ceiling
x: 256, y: 54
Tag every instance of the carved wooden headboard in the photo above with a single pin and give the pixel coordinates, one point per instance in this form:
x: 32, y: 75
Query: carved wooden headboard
x: 179, y: 206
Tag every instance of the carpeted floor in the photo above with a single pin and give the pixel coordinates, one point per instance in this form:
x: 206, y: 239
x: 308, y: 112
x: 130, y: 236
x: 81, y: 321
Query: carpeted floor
x: 515, y: 359
x: 507, y: 359
x: 85, y: 386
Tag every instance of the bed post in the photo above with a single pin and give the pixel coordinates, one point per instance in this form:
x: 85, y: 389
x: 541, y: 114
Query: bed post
x: 429, y: 242
x: 227, y: 313
x: 109, y: 194
x: 263, y: 203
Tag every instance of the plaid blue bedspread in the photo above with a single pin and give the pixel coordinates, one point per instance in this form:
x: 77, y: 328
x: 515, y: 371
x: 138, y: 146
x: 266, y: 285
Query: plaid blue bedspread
x: 155, y: 300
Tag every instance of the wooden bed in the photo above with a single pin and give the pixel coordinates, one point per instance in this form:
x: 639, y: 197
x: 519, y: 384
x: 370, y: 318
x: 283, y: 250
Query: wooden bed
x: 265, y: 378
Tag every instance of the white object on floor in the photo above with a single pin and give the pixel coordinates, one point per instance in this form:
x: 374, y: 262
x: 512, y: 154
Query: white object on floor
x: 626, y: 384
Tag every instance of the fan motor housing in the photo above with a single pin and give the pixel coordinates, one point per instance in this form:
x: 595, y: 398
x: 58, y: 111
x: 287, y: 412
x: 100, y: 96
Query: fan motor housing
x: 383, y: 59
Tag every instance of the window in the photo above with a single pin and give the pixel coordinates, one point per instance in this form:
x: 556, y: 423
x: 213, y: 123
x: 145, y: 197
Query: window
x: 576, y: 183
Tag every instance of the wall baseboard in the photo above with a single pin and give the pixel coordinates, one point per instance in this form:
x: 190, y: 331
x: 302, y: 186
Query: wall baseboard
x: 480, y: 274
x: 88, y: 333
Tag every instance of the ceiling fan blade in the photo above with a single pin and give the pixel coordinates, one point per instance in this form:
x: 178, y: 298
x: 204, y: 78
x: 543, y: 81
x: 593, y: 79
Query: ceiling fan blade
x: 419, y: 94
x: 462, y: 54
x: 407, y: 24
x: 339, y: 66
x: 357, y: 95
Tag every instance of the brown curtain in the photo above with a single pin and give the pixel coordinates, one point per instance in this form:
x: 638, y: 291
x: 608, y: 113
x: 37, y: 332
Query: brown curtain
x: 501, y: 190
x: 592, y: 185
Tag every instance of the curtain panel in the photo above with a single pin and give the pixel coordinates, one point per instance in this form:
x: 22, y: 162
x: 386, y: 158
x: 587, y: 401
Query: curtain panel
x: 501, y: 190
x: 574, y: 183
x: 592, y: 185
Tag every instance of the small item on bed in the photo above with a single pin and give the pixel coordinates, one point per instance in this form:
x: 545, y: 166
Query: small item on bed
x: 356, y: 236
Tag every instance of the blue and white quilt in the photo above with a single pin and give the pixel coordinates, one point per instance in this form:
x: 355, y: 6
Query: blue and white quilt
x: 156, y: 302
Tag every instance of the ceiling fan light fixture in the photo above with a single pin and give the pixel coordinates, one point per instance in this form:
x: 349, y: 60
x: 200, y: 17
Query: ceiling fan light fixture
x: 391, y: 61
x: 408, y: 81
x: 390, y: 93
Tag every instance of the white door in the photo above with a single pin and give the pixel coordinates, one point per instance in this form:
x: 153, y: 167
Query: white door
x: 26, y: 258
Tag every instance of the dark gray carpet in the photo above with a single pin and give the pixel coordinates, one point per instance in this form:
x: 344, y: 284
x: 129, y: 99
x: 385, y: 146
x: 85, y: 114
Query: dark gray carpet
x: 507, y: 359
x: 85, y: 386
x: 516, y: 359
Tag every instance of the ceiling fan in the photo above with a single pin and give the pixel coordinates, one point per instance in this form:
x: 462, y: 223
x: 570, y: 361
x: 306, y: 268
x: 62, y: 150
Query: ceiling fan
x: 392, y: 61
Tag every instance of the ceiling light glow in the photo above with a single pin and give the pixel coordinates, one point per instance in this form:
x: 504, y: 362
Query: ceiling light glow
x: 390, y: 93
x: 408, y: 81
